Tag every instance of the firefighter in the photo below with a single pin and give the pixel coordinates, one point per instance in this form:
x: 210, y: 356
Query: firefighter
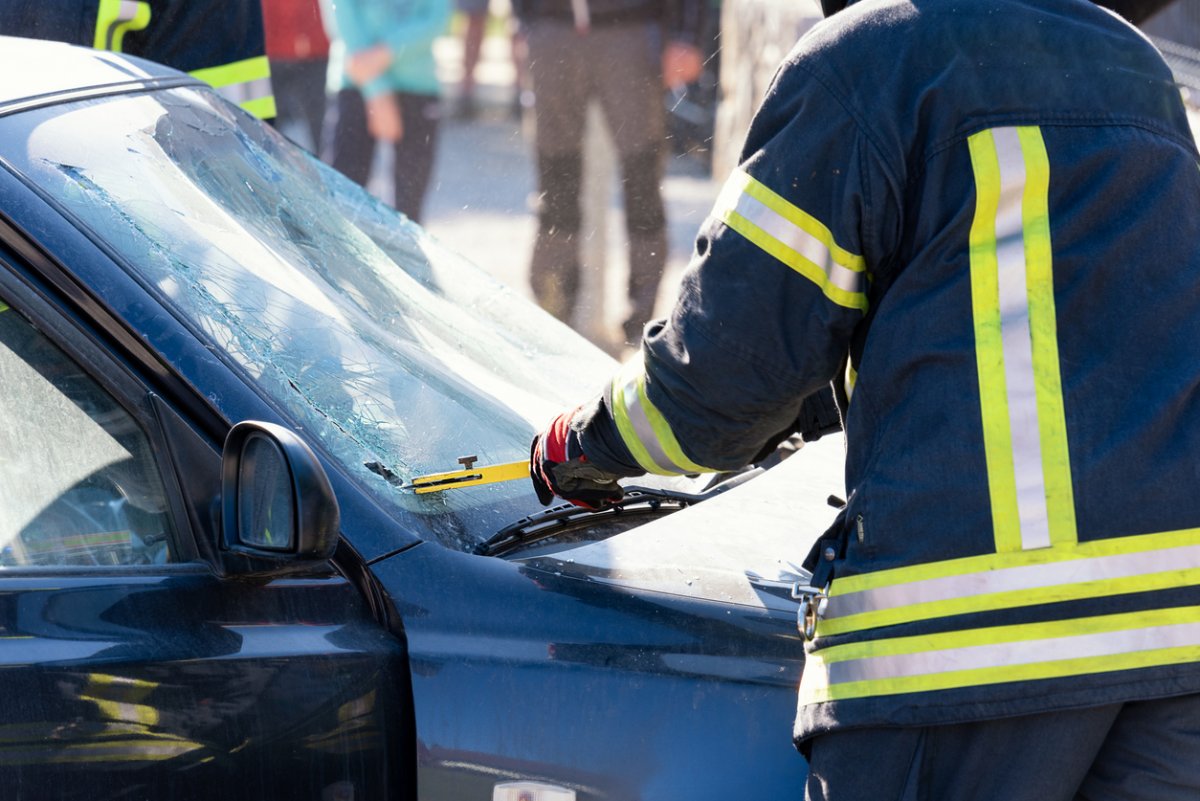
x: 221, y: 43
x: 979, y: 220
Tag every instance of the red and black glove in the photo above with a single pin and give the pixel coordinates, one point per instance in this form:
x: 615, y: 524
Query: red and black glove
x: 558, y: 466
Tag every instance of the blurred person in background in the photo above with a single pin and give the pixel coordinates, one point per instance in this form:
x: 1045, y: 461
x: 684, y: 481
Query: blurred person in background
x: 475, y: 19
x: 621, y: 53
x: 474, y: 14
x: 384, y: 88
x: 298, y: 49
x: 220, y: 43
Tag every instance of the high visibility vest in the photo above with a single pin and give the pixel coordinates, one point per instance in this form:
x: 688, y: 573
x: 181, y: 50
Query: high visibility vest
x: 221, y: 43
x: 992, y: 209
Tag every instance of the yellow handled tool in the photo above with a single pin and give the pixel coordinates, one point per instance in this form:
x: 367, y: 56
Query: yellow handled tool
x: 469, y: 477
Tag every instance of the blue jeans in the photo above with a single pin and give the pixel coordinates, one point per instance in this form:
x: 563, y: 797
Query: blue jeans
x: 1139, y: 751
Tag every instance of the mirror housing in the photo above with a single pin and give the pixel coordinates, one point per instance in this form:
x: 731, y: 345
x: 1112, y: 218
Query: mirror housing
x: 277, y: 505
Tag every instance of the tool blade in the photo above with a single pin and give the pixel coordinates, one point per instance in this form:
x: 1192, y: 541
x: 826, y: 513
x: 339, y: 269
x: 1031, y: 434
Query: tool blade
x: 490, y: 474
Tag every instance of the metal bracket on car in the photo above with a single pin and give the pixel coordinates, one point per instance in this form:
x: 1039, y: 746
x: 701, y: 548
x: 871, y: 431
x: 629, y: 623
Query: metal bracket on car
x: 812, y: 608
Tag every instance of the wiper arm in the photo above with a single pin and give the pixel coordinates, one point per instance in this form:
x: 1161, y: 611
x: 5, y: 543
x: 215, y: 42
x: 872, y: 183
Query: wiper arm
x: 548, y: 522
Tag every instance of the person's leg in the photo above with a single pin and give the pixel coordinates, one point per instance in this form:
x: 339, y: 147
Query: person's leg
x: 310, y: 96
x: 632, y: 99
x: 556, y: 69
x: 347, y: 145
x: 415, y: 152
x: 475, y: 12
x: 645, y: 223
x: 1151, y: 754
x: 1027, y: 758
x: 523, y: 96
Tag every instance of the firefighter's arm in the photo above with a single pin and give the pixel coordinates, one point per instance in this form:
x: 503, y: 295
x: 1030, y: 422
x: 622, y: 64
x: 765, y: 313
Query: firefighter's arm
x: 777, y: 288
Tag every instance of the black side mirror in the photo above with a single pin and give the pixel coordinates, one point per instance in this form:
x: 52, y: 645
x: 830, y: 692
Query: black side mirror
x: 276, y: 501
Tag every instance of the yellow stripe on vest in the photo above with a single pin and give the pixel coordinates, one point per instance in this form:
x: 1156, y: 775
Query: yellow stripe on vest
x: 1012, y: 295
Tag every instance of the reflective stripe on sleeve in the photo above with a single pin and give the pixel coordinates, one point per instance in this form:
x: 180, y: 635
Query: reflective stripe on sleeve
x: 1012, y: 294
x: 1058, y: 649
x: 642, y: 427
x: 115, y: 18
x: 246, y: 83
x: 1011, y: 580
x: 793, y: 237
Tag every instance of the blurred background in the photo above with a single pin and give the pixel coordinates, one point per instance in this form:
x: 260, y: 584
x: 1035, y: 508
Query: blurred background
x: 482, y: 196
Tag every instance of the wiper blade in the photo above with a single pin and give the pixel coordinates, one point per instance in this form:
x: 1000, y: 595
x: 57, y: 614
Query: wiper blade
x: 548, y: 522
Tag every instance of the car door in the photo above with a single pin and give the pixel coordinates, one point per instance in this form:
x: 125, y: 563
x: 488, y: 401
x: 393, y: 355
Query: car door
x: 131, y: 667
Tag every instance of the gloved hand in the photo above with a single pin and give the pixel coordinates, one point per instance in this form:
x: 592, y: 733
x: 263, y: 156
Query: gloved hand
x: 557, y: 466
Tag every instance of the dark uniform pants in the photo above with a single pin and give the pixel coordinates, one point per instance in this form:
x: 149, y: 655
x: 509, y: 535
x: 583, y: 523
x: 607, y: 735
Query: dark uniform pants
x: 1140, y: 751
x: 347, y: 145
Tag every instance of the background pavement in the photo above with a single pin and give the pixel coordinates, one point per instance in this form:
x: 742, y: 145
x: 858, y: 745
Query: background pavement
x: 480, y: 197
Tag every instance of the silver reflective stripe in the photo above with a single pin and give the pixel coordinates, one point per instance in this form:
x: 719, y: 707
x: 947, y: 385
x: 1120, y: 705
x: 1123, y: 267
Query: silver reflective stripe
x: 1018, y: 343
x: 787, y: 233
x: 631, y: 401
x: 1011, y: 654
x: 1013, y: 579
x: 246, y: 91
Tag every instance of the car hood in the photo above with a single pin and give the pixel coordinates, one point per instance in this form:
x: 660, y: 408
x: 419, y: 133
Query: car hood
x: 742, y: 547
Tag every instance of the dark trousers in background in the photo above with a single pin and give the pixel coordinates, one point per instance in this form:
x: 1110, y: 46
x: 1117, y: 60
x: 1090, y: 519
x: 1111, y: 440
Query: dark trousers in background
x: 299, y: 87
x: 349, y: 148
x: 620, y: 66
x: 1139, y: 751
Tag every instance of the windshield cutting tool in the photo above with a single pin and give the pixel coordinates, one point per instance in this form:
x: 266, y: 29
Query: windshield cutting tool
x: 470, y: 476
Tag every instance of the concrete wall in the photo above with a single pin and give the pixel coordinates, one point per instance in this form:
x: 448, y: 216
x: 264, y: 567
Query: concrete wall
x: 755, y: 37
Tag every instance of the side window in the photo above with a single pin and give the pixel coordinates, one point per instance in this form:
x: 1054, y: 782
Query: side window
x: 78, y: 483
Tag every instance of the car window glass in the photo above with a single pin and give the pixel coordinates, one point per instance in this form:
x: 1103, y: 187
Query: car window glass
x: 78, y: 485
x: 396, y: 355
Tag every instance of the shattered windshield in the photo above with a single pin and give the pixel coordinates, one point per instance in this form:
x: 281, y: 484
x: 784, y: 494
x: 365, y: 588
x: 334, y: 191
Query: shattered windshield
x: 396, y: 355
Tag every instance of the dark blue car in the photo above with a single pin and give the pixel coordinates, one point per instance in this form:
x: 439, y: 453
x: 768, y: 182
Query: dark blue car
x: 221, y: 366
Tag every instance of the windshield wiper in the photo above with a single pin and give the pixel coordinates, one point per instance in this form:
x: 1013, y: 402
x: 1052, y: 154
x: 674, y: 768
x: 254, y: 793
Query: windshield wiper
x: 549, y: 522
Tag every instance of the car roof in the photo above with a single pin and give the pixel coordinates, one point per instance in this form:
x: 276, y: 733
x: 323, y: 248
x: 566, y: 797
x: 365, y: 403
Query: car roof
x: 36, y: 73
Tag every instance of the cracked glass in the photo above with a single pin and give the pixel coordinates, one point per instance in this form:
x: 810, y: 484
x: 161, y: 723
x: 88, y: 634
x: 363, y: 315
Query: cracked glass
x: 396, y: 356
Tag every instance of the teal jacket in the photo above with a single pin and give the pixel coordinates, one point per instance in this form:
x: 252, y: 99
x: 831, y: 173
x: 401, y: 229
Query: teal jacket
x: 407, y: 27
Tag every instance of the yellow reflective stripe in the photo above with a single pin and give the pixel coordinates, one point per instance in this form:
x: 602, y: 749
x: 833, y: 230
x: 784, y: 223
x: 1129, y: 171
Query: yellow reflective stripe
x: 246, y: 83
x: 792, y: 236
x: 968, y: 565
x: 989, y: 348
x: 115, y: 18
x: 117, y: 697
x: 1012, y: 286
x: 263, y: 107
x: 1078, y: 647
x: 1008, y: 588
x: 1043, y: 325
x: 643, y: 429
x: 237, y: 72
x: 621, y: 386
x: 3, y: 307
x: 664, y: 437
x: 135, y: 749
